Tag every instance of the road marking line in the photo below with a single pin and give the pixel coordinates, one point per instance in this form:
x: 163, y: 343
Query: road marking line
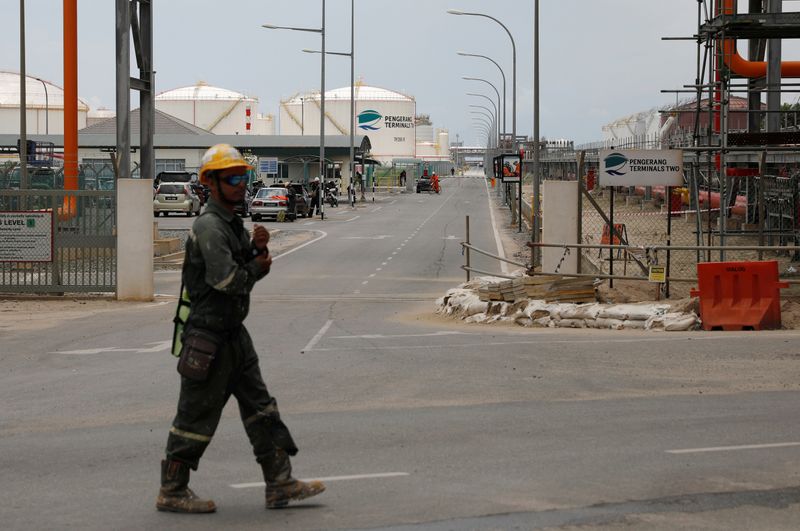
x: 732, y: 448
x: 533, y: 340
x: 365, y: 282
x: 316, y: 338
x: 389, y: 258
x: 500, y: 252
x: 379, y: 269
x: 372, y: 275
x: 376, y: 209
x: 309, y: 222
x: 384, y: 263
x: 290, y: 251
x: 387, y: 336
x: 393, y: 202
x: 330, y: 478
x: 158, y: 346
x: 394, y: 253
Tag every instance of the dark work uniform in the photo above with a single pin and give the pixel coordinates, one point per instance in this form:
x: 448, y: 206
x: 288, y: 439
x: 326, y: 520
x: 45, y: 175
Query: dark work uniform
x: 219, y: 272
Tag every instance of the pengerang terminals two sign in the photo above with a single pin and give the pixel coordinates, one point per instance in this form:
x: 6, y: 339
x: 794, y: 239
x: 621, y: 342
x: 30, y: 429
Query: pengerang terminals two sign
x: 641, y: 167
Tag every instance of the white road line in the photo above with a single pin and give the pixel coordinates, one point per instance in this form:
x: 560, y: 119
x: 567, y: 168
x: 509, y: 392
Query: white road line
x: 379, y: 269
x: 309, y: 222
x: 372, y: 275
x: 537, y: 340
x: 158, y: 346
x: 384, y: 263
x: 393, y: 202
x: 376, y: 209
x: 382, y: 336
x: 732, y: 448
x: 500, y: 252
x: 351, y: 219
x: 330, y: 478
x: 316, y: 338
x: 290, y: 251
x: 365, y: 282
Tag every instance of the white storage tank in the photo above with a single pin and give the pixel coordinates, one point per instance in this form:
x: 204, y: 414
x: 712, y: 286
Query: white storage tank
x: 218, y: 110
x: 444, y: 143
x: 385, y: 116
x: 44, y: 102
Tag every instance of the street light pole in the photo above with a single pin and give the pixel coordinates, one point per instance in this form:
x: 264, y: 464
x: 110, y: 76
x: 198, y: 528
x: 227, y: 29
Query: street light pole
x: 503, y: 74
x: 514, y: 65
x: 496, y: 111
x: 495, y: 91
x: 322, y: 164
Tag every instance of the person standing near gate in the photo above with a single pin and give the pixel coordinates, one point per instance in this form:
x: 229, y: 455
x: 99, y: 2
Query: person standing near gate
x: 217, y: 358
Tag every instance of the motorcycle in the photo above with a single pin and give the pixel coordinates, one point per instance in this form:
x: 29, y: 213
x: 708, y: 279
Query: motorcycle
x: 331, y: 198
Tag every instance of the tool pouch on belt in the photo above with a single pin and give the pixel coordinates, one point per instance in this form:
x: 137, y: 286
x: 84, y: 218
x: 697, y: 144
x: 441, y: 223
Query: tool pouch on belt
x: 199, y: 349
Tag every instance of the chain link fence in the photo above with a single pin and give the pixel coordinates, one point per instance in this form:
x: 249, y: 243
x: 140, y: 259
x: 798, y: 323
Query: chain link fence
x: 55, y: 240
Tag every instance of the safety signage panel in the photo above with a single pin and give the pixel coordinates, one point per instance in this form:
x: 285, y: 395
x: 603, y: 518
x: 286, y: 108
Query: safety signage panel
x: 657, y: 274
x: 641, y: 167
x: 268, y: 165
x: 26, y: 236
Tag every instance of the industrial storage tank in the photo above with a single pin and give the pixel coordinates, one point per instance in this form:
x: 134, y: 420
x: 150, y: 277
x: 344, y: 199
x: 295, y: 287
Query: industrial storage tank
x: 218, y: 110
x: 44, y: 102
x: 385, y: 116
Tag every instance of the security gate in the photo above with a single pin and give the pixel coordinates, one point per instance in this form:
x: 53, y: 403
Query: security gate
x: 58, y: 241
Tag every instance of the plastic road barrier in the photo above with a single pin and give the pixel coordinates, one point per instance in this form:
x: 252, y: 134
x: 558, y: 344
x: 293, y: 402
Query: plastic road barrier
x: 739, y: 295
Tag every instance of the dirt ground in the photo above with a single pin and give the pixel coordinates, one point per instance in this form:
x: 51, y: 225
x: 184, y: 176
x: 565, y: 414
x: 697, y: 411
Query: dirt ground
x: 516, y: 249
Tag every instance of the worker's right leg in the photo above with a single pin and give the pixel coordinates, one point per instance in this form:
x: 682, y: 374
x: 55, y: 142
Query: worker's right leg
x: 271, y: 440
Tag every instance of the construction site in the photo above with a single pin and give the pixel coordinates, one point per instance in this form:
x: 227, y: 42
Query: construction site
x: 738, y: 135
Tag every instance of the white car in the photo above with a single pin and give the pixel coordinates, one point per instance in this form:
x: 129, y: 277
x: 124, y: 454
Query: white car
x: 269, y: 203
x: 175, y: 197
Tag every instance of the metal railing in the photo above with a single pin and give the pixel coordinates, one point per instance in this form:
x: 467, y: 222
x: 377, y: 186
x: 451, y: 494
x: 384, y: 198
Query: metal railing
x: 81, y: 254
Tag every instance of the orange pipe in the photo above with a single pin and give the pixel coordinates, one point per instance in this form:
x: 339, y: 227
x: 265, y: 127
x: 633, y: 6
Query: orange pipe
x: 743, y: 67
x: 70, y: 105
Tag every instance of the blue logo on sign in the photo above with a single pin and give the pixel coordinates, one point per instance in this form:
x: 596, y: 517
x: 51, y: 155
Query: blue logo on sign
x: 615, y: 163
x: 369, y: 119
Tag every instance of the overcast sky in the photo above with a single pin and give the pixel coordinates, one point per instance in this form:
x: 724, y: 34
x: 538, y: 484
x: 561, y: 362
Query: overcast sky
x: 600, y: 59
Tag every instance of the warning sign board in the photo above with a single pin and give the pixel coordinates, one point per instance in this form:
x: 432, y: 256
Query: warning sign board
x: 657, y: 274
x: 26, y: 236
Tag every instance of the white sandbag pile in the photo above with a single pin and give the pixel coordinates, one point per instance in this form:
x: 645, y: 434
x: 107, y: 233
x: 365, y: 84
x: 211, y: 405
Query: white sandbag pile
x: 463, y: 302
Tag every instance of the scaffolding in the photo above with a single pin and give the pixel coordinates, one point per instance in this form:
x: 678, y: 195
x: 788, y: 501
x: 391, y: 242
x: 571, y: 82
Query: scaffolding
x: 750, y: 166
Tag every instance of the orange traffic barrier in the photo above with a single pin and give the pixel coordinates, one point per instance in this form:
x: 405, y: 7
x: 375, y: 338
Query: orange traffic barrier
x: 739, y: 295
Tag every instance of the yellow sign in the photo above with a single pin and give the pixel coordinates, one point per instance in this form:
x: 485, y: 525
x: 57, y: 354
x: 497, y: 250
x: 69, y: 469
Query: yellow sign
x: 657, y: 274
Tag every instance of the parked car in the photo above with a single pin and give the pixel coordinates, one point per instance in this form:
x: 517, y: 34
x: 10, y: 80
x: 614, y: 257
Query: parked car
x: 424, y: 184
x: 175, y: 197
x: 269, y: 203
x: 175, y: 177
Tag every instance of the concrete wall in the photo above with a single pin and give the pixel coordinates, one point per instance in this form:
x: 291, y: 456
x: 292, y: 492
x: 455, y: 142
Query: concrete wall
x: 135, y: 240
x: 559, y: 225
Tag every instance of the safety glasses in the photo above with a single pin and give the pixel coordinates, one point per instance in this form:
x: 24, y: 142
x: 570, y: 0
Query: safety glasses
x: 235, y: 180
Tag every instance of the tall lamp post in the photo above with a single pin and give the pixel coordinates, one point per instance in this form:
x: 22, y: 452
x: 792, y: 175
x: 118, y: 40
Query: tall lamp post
x: 502, y: 73
x: 496, y: 110
x: 514, y: 64
x: 322, y: 165
x: 499, y: 108
x: 352, y: 56
x: 488, y: 119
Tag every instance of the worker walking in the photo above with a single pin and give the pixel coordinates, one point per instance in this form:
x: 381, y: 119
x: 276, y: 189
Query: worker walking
x: 217, y: 358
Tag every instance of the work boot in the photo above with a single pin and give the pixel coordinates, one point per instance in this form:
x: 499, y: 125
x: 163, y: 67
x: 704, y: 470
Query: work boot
x: 278, y: 495
x: 175, y: 494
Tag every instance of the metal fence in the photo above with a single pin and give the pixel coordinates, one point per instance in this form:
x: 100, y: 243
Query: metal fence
x: 81, y: 256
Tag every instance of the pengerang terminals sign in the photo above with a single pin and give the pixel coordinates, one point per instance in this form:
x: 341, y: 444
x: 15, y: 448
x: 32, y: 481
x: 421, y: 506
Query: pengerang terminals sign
x: 642, y: 167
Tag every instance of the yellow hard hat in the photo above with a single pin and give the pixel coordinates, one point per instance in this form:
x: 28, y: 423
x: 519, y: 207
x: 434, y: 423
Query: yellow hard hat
x: 221, y: 157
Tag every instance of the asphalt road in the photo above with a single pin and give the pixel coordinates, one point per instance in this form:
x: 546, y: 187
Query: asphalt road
x: 417, y: 422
